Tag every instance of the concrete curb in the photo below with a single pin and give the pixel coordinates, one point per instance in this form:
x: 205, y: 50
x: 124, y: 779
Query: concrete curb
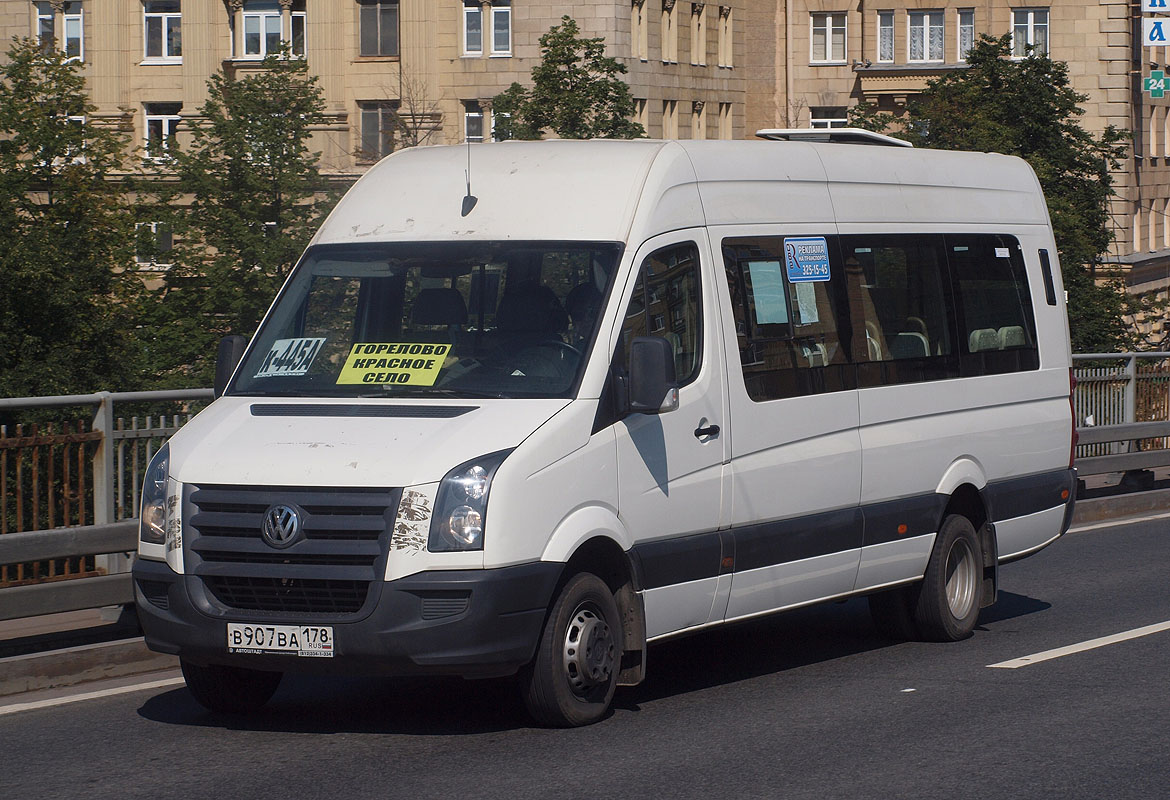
x: 1121, y: 505
x: 73, y: 665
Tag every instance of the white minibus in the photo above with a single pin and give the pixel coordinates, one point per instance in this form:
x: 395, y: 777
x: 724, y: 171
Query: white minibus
x: 524, y: 408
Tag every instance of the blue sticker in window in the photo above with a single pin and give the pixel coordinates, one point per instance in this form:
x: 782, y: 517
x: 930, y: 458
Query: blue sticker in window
x: 806, y: 259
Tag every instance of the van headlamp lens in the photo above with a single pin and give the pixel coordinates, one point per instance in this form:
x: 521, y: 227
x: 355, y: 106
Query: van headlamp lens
x: 461, y: 505
x: 466, y: 526
x: 152, y: 527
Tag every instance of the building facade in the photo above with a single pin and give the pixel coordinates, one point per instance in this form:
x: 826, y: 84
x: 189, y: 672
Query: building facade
x: 434, y: 66
x: 831, y: 55
x: 696, y: 69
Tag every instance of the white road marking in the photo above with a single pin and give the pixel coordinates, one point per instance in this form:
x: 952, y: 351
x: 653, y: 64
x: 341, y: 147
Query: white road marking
x: 1117, y: 523
x: 1048, y: 655
x: 77, y: 698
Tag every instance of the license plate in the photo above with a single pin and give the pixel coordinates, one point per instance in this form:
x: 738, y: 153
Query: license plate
x: 313, y: 641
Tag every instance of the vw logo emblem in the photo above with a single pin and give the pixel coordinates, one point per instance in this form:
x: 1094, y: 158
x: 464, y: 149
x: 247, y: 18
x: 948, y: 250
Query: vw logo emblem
x: 282, y: 526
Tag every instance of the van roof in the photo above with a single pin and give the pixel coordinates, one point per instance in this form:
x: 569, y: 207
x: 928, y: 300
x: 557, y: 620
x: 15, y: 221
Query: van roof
x: 609, y: 190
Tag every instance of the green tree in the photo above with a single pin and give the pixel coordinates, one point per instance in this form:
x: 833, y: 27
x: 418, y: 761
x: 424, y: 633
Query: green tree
x: 577, y: 93
x: 248, y: 197
x: 65, y: 234
x: 1027, y: 107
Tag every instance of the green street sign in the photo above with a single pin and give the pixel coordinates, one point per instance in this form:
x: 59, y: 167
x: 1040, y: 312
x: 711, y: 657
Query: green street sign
x: 1155, y: 84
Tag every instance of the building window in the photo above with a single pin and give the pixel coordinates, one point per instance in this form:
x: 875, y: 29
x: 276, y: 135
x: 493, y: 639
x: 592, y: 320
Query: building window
x: 669, y: 119
x: 74, y: 37
x: 162, y: 28
x: 46, y: 27
x: 153, y: 241
x: 496, y: 117
x: 502, y: 27
x: 472, y: 121
x: 379, y: 120
x: 639, y: 39
x: 699, y: 34
x: 828, y: 117
x: 379, y: 28
x: 669, y: 33
x: 261, y: 28
x: 828, y: 38
x: 472, y: 28
x: 725, y: 40
x: 298, y: 20
x: 698, y: 120
x: 926, y: 36
x: 162, y: 121
x: 73, y: 43
x: 725, y: 120
x: 1029, y: 27
x: 966, y: 32
x: 641, y: 114
x: 885, y: 51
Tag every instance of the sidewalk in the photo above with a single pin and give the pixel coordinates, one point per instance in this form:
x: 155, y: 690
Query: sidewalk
x: 77, y: 647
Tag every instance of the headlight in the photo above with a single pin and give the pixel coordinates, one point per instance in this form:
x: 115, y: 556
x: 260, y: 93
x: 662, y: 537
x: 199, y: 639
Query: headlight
x: 152, y: 525
x: 461, y: 505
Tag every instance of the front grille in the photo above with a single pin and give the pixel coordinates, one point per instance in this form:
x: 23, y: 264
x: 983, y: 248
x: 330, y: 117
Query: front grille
x: 289, y: 595
x: 330, y: 571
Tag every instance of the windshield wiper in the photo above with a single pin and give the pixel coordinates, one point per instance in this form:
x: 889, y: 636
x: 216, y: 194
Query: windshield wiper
x: 436, y: 392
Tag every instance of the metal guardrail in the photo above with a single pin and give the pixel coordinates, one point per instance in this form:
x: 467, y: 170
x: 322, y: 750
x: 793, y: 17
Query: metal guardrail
x: 1123, y: 462
x: 115, y: 458
x: 17, y: 602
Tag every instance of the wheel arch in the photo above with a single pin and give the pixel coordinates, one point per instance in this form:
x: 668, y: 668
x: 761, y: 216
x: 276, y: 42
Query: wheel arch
x: 967, y: 500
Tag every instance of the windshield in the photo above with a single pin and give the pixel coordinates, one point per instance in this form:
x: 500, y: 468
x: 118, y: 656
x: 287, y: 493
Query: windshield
x: 471, y: 319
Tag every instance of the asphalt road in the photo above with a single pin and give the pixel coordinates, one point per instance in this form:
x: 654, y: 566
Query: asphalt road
x: 805, y: 705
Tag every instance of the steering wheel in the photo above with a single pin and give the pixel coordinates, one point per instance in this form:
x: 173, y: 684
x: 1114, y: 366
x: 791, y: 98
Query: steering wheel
x: 564, y: 364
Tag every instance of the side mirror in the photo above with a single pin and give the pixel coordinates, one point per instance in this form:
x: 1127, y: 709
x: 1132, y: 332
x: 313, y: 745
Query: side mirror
x: 227, y: 358
x: 652, y: 385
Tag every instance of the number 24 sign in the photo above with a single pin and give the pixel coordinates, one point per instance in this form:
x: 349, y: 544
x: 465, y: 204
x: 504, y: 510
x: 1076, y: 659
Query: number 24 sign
x: 1155, y: 84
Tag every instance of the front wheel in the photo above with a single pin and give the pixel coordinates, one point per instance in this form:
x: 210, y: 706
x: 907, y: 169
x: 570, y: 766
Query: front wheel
x: 230, y: 690
x: 571, y: 680
x: 948, y: 602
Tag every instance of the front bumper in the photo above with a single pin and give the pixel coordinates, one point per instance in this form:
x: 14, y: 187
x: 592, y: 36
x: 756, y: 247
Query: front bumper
x: 474, y: 623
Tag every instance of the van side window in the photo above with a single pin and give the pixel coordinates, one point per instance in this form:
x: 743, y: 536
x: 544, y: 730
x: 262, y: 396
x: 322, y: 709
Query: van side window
x: 789, y: 332
x: 997, y: 332
x: 667, y: 302
x: 898, y: 299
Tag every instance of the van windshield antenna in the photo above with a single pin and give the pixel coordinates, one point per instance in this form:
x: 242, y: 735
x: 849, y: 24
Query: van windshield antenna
x: 469, y: 200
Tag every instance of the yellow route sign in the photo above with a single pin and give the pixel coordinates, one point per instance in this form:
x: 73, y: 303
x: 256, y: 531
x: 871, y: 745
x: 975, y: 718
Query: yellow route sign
x: 401, y: 363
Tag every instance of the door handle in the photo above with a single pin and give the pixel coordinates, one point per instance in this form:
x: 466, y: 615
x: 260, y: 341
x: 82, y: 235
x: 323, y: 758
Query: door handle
x: 709, y: 430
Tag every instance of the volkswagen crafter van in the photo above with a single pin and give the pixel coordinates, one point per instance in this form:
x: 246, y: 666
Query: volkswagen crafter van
x: 523, y: 408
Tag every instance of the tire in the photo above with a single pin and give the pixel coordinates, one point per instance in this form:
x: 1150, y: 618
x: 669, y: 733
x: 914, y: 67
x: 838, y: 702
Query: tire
x: 893, y: 613
x: 230, y: 690
x: 571, y: 680
x: 948, y: 601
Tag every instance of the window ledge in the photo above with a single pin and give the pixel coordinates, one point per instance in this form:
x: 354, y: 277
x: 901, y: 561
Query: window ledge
x: 360, y: 59
x: 160, y: 62
x: 828, y: 63
x: 501, y: 55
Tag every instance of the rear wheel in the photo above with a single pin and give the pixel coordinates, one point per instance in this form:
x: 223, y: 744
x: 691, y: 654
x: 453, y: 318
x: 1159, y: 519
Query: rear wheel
x: 571, y: 680
x: 948, y: 601
x: 230, y: 690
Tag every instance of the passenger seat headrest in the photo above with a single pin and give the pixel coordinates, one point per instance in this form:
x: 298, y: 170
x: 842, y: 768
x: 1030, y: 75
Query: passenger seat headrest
x: 439, y: 307
x: 531, y: 308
